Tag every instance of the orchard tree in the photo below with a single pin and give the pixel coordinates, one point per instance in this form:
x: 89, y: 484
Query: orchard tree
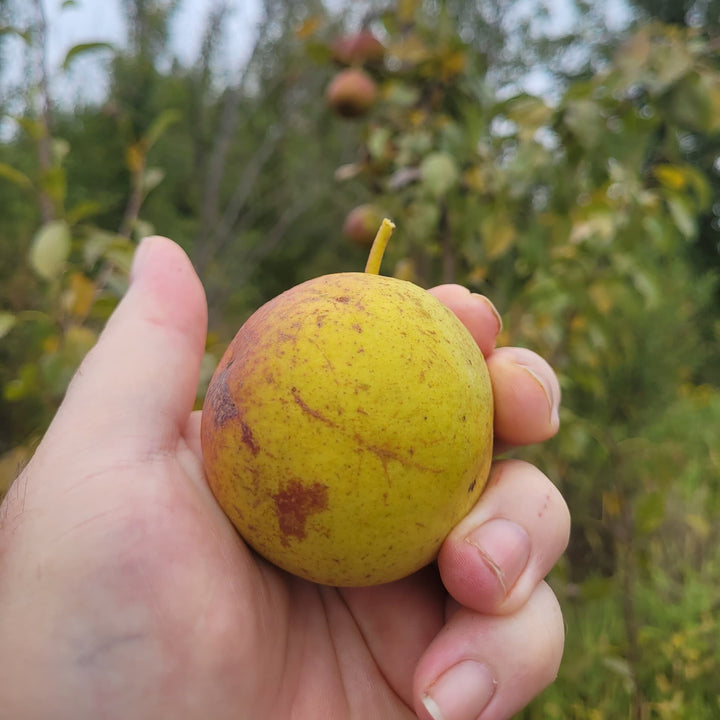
x: 578, y: 218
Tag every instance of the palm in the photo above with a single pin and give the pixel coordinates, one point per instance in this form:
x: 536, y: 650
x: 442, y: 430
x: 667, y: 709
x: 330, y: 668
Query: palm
x: 355, y: 648
x: 345, y: 648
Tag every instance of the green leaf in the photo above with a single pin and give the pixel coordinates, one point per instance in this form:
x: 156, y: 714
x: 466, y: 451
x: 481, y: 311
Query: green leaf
x: 78, y: 342
x: 682, y: 215
x: 318, y: 52
x: 596, y: 587
x: 7, y: 323
x: 34, y: 128
x: 585, y: 120
x: 151, y: 178
x: 528, y: 113
x: 648, y: 287
x: 649, y: 512
x: 142, y: 229
x: 401, y: 94
x: 15, y: 176
x: 82, y: 211
x: 54, y: 182
x: 439, y: 173
x: 158, y: 127
x: 97, y: 243
x: 121, y: 258
x: 670, y: 61
x: 421, y: 220
x: 22, y: 385
x: 378, y: 142
x: 690, y: 103
x: 25, y: 35
x: 50, y: 249
x: 620, y: 667
x: 82, y: 49
x: 60, y: 149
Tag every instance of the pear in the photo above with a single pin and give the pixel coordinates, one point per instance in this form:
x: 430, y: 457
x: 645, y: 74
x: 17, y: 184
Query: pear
x: 357, y: 49
x: 361, y: 224
x: 351, y: 93
x: 348, y: 427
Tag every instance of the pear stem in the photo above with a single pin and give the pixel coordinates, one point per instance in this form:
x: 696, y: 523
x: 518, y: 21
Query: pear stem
x: 378, y: 247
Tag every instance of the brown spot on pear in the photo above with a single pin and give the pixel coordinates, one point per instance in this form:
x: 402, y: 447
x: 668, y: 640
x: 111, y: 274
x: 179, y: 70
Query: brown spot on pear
x: 294, y: 502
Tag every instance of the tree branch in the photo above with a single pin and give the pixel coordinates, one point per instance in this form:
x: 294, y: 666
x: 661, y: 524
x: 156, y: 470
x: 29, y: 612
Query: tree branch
x: 44, y: 142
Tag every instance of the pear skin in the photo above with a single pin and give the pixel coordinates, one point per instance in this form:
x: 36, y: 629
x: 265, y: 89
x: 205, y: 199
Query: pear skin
x: 348, y: 428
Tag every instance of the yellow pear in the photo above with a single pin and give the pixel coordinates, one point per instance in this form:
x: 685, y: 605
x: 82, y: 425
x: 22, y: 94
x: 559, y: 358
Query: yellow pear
x: 349, y: 426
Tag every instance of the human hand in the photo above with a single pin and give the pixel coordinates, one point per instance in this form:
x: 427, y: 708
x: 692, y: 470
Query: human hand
x: 126, y: 592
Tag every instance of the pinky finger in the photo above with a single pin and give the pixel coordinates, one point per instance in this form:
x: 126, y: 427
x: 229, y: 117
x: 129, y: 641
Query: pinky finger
x: 482, y: 667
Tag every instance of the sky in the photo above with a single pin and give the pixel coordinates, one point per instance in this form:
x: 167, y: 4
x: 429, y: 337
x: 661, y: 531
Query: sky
x: 101, y: 20
x: 91, y: 20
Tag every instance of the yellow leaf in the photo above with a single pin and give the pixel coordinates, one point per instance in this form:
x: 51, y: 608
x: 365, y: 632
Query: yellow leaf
x: 406, y: 10
x: 579, y: 322
x: 78, y: 341
x: 662, y: 683
x: 453, y: 63
x: 474, y: 178
x: 410, y: 50
x: 504, y: 338
x: 309, y: 27
x: 135, y: 157
x: 478, y: 274
x: 599, y: 225
x: 82, y: 293
x: 417, y: 117
x: 611, y: 504
x: 498, y: 235
x: 601, y: 298
x: 51, y: 344
x: 671, y: 177
x: 699, y: 525
x: 714, y: 97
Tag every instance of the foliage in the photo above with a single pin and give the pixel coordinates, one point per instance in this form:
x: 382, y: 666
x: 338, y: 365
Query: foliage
x: 580, y: 219
x: 588, y: 217
x: 56, y: 300
x: 703, y: 14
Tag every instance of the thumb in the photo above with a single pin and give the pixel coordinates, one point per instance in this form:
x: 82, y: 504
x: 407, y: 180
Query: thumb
x: 138, y: 384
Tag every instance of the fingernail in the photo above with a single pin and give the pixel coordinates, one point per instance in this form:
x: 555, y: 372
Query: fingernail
x: 460, y: 693
x: 505, y: 548
x: 548, y: 389
x: 493, y: 309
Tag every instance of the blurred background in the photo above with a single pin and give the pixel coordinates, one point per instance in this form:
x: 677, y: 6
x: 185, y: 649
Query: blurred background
x: 560, y: 156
